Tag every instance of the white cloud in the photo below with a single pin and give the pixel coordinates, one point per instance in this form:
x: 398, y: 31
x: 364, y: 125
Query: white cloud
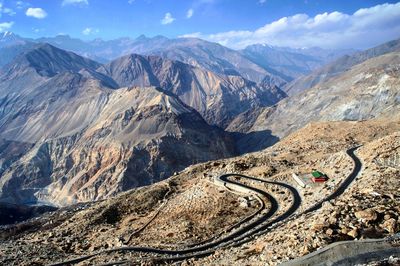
x: 191, y: 35
x: 75, y: 2
x: 364, y: 28
x: 189, y: 13
x: 21, y: 4
x: 9, y: 11
x: 89, y: 31
x: 36, y: 12
x: 5, y: 26
x: 262, y: 1
x: 131, y: 2
x: 6, y: 10
x: 168, y: 19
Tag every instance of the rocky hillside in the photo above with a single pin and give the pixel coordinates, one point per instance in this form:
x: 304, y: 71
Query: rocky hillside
x: 339, y: 66
x: 218, y: 98
x: 71, y: 135
x: 11, y: 213
x: 367, y: 90
x: 189, y: 209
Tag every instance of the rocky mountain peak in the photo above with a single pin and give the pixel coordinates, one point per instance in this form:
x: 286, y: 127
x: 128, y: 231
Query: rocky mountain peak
x: 217, y: 97
x: 9, y: 38
x: 48, y: 61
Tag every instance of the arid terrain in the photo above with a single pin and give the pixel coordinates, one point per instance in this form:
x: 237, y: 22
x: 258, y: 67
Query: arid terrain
x: 189, y: 207
x: 234, y: 133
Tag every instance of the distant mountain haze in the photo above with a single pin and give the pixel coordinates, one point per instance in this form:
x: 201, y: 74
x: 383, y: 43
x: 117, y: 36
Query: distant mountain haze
x: 258, y: 63
x: 289, y: 63
x: 339, y: 66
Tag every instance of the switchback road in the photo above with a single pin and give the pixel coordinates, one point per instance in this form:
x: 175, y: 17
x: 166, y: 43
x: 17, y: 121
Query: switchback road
x: 255, y: 225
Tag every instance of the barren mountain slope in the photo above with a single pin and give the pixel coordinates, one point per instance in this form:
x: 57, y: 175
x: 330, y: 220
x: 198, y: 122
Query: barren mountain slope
x: 338, y: 67
x: 367, y: 90
x: 196, y: 52
x: 36, y: 66
x: 219, y: 98
x: 369, y: 208
x: 71, y: 136
x: 188, y: 208
x: 214, y: 57
x: 133, y: 137
x: 259, y: 62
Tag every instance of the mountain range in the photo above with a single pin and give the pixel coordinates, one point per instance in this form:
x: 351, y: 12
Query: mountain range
x: 339, y: 66
x: 73, y: 129
x: 258, y: 63
x: 75, y: 135
x: 289, y: 63
x: 217, y: 97
x: 364, y: 91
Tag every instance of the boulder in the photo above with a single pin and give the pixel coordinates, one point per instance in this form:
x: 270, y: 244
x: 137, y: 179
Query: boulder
x: 390, y: 225
x: 367, y: 215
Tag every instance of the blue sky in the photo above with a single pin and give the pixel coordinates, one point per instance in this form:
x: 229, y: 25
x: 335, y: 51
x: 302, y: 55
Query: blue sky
x: 235, y: 23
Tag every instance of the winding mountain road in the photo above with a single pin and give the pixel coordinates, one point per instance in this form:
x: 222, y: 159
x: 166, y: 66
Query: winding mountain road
x: 256, y: 224
x: 345, y: 184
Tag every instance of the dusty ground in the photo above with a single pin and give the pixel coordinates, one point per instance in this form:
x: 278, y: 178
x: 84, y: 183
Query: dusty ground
x: 188, y: 208
x: 369, y: 209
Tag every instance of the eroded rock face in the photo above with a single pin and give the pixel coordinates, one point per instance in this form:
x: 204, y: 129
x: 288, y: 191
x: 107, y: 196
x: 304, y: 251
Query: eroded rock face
x: 366, y: 91
x: 338, y: 67
x: 217, y: 97
x: 196, y: 52
x: 127, y: 144
x: 74, y: 137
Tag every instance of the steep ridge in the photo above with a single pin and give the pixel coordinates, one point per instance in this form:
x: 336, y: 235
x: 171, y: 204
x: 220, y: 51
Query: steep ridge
x: 213, y: 57
x: 72, y: 136
x: 200, y: 53
x: 338, y: 67
x: 219, y: 98
x: 37, y: 65
x: 48, y: 61
x: 8, y: 53
x: 41, y: 112
x: 366, y: 91
x: 132, y: 137
x: 259, y: 63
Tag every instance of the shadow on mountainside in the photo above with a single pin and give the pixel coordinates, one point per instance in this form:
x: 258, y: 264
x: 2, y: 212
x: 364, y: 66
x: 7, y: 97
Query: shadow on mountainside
x: 253, y: 141
x: 13, y: 213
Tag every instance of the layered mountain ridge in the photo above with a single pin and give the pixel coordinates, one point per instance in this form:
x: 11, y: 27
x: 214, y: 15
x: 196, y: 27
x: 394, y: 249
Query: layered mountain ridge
x: 366, y: 91
x: 339, y: 66
x: 77, y: 130
x: 271, y: 65
x: 218, y: 98
x: 78, y: 137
